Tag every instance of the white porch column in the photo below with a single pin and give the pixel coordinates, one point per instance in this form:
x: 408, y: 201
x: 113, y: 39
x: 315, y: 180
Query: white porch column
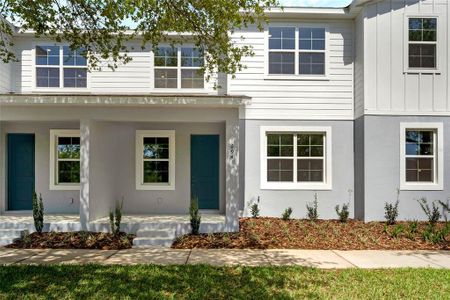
x: 85, y: 147
x: 232, y: 175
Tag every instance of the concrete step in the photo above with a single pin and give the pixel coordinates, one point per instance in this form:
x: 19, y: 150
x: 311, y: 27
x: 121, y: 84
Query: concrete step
x: 161, y: 233
x: 6, y: 241
x: 152, y: 241
x: 11, y: 233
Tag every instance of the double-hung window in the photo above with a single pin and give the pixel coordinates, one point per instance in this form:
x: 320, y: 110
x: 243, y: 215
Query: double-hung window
x: 155, y: 160
x: 295, y: 158
x: 58, y: 67
x: 297, y: 51
x: 178, y: 68
x: 64, y: 159
x: 421, y: 156
x: 422, y: 43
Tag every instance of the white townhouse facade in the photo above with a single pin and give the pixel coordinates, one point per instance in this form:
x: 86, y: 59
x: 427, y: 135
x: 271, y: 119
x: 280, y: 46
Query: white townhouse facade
x: 348, y: 103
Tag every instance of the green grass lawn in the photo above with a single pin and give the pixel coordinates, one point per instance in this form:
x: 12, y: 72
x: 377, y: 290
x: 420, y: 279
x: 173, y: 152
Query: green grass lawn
x: 207, y: 282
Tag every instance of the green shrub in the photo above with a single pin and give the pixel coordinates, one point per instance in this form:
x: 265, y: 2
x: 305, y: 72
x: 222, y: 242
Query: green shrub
x: 432, y: 213
x: 391, y: 210
x: 436, y: 236
x: 396, y: 231
x: 287, y: 214
x: 343, y: 213
x: 313, y: 213
x: 445, y: 208
x: 38, y: 212
x: 115, y: 218
x: 254, y: 209
x: 195, y: 216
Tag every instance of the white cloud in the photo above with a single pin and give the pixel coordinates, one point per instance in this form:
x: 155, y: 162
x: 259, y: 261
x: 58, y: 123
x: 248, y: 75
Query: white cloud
x: 316, y: 3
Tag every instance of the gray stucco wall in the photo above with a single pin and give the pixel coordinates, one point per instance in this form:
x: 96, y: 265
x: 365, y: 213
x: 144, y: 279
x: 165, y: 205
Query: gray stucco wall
x: 359, y: 167
x: 274, y: 202
x: 382, y: 167
x: 54, y: 201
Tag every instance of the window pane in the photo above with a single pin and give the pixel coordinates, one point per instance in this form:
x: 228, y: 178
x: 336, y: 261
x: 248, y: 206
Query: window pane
x: 422, y: 55
x: 312, y: 63
x: 281, y: 38
x: 75, y: 77
x: 192, y: 79
x: 310, y: 145
x: 422, y: 29
x: 47, y: 55
x: 68, y: 172
x: 47, y: 77
x: 166, y: 57
x: 310, y: 170
x: 191, y: 57
x: 156, y: 171
x: 281, y: 63
x: 312, y: 38
x: 156, y: 148
x: 419, y: 170
x: 74, y: 58
x: 419, y: 142
x: 280, y: 145
x: 280, y: 170
x: 166, y: 78
x: 69, y: 147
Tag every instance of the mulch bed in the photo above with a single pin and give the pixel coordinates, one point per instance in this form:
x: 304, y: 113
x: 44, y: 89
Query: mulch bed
x: 74, y: 240
x: 275, y: 233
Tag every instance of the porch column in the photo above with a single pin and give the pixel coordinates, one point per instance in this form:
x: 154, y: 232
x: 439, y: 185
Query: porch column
x: 232, y: 175
x: 85, y: 146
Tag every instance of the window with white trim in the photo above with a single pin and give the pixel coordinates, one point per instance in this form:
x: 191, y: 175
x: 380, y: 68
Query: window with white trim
x: 422, y: 43
x: 421, y: 156
x: 155, y: 159
x: 64, y: 159
x: 59, y: 66
x: 296, y: 159
x: 304, y: 45
x: 178, y: 68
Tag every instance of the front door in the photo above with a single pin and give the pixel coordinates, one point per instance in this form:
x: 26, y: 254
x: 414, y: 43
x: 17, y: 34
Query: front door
x: 20, y: 171
x: 205, y: 170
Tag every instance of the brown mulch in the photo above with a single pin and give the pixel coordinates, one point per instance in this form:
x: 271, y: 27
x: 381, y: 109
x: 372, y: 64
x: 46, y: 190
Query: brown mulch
x: 74, y: 240
x: 275, y: 233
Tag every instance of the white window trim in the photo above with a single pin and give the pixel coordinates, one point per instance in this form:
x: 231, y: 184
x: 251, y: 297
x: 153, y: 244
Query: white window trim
x: 296, y: 76
x: 61, y: 67
x: 438, y: 185
x: 439, y: 37
x: 54, y: 134
x: 178, y: 68
x: 266, y: 185
x: 140, y: 185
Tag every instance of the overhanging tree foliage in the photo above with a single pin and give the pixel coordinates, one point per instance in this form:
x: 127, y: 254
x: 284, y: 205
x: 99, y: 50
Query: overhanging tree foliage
x: 100, y: 26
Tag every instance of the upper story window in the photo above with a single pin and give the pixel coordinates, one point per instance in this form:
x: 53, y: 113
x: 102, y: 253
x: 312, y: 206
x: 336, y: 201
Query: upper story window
x: 297, y: 51
x: 422, y: 43
x: 58, y: 67
x: 178, y: 68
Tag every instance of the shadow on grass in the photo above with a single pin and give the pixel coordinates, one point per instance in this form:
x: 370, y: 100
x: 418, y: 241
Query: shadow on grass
x: 190, y: 282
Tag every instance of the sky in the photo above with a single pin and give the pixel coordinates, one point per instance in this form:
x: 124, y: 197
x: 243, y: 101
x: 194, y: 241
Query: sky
x: 316, y: 3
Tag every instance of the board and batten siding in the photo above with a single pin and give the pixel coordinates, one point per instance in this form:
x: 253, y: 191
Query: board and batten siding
x: 388, y: 88
x: 297, y: 99
x: 133, y: 77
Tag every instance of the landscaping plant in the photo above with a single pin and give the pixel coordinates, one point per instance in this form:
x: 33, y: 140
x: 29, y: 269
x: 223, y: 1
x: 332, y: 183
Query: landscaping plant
x: 254, y: 209
x: 195, y: 216
x: 391, y: 210
x: 436, y: 236
x: 313, y: 213
x: 343, y: 213
x: 38, y: 212
x: 432, y: 213
x: 115, y: 218
x: 445, y: 208
x: 287, y: 214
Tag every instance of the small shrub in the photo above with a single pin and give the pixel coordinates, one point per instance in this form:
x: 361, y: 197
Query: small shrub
x: 398, y: 229
x: 254, y: 209
x: 391, y: 210
x: 343, y: 213
x: 435, y: 236
x: 445, y: 209
x: 413, y: 229
x: 38, y: 212
x: 195, y: 216
x: 432, y: 213
x: 313, y: 214
x: 287, y: 214
x: 115, y: 218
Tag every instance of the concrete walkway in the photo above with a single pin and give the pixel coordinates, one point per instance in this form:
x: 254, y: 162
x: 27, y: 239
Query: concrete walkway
x: 326, y: 259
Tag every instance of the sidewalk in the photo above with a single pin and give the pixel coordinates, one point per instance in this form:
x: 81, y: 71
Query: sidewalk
x: 326, y: 259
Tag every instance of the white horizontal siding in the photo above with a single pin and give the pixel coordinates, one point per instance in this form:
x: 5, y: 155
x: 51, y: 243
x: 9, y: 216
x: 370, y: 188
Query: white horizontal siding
x: 297, y: 99
x: 5, y: 77
x: 388, y: 88
x: 359, y: 66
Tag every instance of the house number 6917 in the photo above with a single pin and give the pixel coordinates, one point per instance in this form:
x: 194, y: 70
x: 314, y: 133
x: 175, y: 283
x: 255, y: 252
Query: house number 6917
x: 232, y: 151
